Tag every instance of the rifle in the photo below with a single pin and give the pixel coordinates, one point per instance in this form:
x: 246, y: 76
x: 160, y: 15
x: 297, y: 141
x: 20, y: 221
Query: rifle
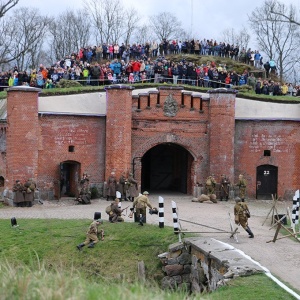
x: 125, y: 209
x: 131, y: 212
x: 222, y: 186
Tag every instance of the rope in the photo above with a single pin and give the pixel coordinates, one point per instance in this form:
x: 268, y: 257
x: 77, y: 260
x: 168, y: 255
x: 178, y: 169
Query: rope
x: 203, y: 225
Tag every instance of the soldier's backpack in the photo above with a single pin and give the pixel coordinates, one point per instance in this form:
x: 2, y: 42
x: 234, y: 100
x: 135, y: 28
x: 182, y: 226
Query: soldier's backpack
x: 108, y: 210
x: 208, y: 182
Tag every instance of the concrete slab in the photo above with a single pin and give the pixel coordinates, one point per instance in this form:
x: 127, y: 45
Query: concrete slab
x: 226, y: 255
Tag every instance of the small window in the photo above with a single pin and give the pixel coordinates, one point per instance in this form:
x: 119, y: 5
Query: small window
x: 267, y: 153
x: 71, y: 148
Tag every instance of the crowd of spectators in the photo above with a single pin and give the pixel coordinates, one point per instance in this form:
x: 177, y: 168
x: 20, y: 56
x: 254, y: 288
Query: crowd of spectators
x: 150, y: 62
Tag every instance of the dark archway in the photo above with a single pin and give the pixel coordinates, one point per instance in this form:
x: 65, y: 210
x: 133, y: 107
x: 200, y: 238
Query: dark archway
x: 69, y: 177
x: 166, y: 167
x: 266, y: 182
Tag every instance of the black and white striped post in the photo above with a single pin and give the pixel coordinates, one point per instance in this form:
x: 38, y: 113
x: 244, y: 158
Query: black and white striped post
x: 295, y: 210
x: 175, y: 220
x: 161, y: 212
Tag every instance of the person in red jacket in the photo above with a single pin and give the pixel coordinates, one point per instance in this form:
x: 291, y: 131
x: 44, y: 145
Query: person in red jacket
x: 136, y: 70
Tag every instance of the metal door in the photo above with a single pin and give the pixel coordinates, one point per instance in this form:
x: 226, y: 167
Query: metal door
x: 266, y: 181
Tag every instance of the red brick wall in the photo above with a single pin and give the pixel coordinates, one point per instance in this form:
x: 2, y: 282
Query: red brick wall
x: 86, y: 134
x: 221, y: 129
x: 22, y: 134
x: 36, y: 145
x: 282, y: 139
x: 187, y: 129
x: 3, y: 129
x: 118, y: 130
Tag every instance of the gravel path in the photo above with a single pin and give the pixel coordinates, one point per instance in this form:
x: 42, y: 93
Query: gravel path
x: 282, y: 258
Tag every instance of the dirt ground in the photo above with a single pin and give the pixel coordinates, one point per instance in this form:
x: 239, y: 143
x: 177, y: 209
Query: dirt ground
x: 282, y: 258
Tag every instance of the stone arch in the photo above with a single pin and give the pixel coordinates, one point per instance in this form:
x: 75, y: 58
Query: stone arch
x: 166, y: 138
x: 188, y: 160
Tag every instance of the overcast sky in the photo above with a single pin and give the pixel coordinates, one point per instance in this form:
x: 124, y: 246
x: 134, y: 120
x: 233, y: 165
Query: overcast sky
x: 204, y: 18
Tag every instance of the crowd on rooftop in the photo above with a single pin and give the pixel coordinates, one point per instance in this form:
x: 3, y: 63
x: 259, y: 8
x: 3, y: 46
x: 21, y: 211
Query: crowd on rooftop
x: 150, y: 62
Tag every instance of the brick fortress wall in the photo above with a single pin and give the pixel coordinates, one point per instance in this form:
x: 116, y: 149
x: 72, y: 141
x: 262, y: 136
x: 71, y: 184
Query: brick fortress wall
x: 57, y: 134
x: 153, y: 124
x: 205, y: 128
x: 281, y: 138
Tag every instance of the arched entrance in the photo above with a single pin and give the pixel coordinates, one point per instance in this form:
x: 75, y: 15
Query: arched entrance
x: 69, y: 177
x: 166, y: 167
x: 266, y: 182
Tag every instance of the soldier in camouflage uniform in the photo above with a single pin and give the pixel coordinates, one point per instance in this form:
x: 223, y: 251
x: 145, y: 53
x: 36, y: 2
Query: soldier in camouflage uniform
x: 92, y: 235
x: 242, y: 184
x: 85, y: 194
x: 210, y: 185
x: 241, y: 214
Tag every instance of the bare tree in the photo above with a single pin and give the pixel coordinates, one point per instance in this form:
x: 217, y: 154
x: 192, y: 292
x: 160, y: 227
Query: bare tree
x: 240, y: 38
x: 107, y: 18
x: 20, y: 34
x: 143, y: 34
x: 279, y: 40
x: 288, y: 16
x: 131, y: 21
x: 5, y: 6
x: 69, y: 32
x: 165, y: 26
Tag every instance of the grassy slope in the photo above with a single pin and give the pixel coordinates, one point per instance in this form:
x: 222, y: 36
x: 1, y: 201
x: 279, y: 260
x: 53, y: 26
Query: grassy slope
x: 39, y: 260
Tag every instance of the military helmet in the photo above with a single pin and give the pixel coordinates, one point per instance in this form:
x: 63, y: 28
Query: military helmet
x: 237, y: 199
x: 145, y: 193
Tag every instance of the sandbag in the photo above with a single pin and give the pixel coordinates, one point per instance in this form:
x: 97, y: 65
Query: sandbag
x: 213, y: 198
x: 203, y: 198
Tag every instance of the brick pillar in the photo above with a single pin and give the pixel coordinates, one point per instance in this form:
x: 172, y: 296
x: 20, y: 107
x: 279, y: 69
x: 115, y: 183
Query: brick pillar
x: 118, y: 129
x: 22, y: 134
x: 221, y: 130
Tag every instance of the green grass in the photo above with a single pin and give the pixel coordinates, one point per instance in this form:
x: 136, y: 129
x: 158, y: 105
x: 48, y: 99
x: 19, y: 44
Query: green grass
x: 39, y: 260
x: 284, y: 232
x: 258, y: 287
x: 54, y: 242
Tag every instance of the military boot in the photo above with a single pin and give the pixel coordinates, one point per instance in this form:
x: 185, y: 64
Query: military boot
x: 80, y: 246
x: 251, y: 235
x: 141, y: 221
x: 91, y: 245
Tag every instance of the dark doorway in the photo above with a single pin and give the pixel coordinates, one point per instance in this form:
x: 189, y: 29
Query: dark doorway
x: 165, y: 168
x: 266, y: 183
x: 69, y: 177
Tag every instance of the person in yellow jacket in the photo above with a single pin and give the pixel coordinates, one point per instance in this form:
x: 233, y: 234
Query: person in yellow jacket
x: 284, y: 89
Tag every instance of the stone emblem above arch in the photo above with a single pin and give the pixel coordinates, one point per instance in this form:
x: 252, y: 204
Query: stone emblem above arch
x: 170, y: 106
